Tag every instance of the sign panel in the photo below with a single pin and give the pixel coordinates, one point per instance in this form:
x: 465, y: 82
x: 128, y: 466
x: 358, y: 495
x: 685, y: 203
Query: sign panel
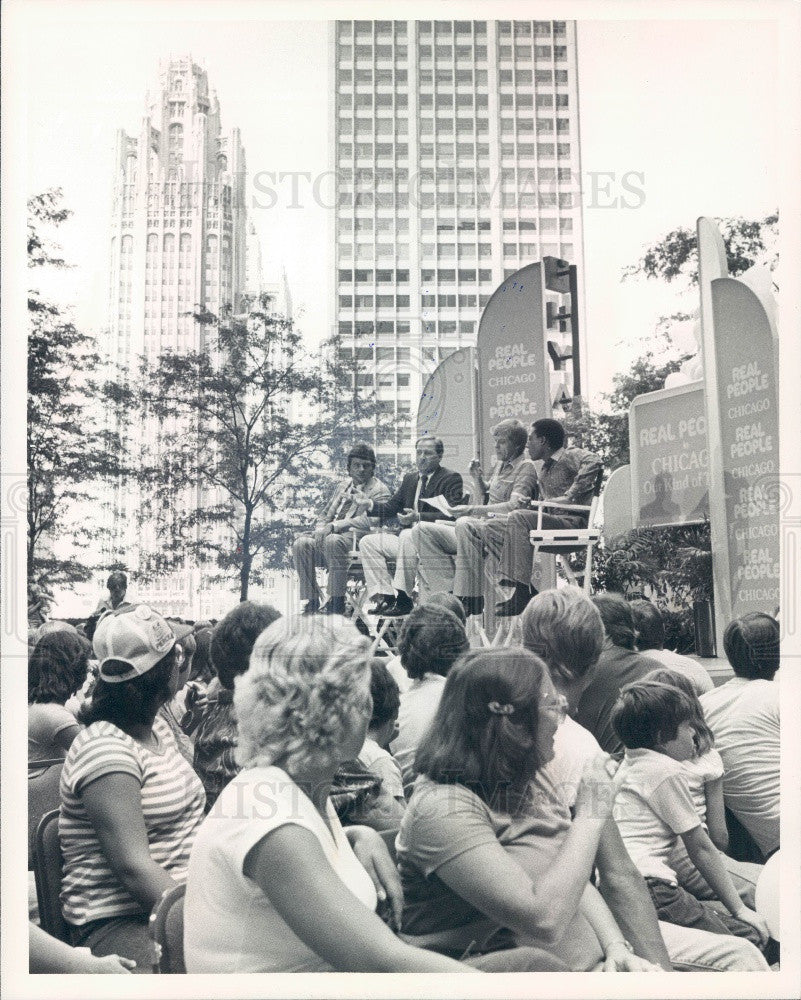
x: 749, y: 435
x: 617, y: 518
x: 448, y: 409
x: 669, y: 457
x: 513, y: 371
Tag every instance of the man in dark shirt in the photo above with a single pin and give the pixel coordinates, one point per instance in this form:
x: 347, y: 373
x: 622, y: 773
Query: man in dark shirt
x: 430, y: 480
x: 619, y: 664
x: 568, y: 475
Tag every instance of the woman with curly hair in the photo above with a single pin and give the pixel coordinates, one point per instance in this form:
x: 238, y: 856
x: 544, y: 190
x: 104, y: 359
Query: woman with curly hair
x: 275, y: 883
x: 56, y: 670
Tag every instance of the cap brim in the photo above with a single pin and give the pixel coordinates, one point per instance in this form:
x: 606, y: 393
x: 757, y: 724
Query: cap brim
x: 179, y: 629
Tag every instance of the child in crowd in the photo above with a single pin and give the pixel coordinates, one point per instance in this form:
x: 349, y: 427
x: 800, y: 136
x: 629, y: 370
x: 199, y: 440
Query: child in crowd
x: 654, y: 808
x: 382, y: 729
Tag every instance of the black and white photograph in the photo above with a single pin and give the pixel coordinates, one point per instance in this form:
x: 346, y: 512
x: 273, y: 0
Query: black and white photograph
x: 403, y: 549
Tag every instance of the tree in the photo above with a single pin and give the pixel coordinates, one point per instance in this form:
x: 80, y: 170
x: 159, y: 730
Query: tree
x: 71, y: 446
x: 747, y: 242
x: 235, y: 467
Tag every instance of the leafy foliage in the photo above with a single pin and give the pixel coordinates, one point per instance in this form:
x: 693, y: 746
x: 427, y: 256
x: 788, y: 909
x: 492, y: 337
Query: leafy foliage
x: 73, y: 438
x: 244, y: 436
x: 747, y: 242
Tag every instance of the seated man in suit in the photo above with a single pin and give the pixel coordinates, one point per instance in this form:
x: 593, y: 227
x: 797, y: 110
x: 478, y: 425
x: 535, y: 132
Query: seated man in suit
x: 430, y: 480
x: 568, y: 475
x: 331, y: 541
x: 452, y: 555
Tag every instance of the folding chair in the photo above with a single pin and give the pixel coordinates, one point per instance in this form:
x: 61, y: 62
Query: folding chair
x: 563, y: 541
x: 167, y: 930
x: 382, y: 631
x: 48, y: 866
x: 43, y: 797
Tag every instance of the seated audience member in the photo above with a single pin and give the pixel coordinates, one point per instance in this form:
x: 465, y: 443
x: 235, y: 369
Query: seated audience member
x: 332, y: 539
x: 743, y: 715
x: 568, y: 475
x: 48, y: 955
x: 705, y: 779
x: 215, y: 738
x: 275, y: 883
x: 174, y: 710
x: 358, y: 794
x: 654, y: 807
x: 484, y: 853
x: 441, y: 600
x: 130, y: 803
x: 651, y: 640
x: 393, y: 595
x: 452, y: 556
x: 56, y: 670
x: 619, y: 664
x: 431, y: 640
x: 381, y: 730
x: 565, y: 629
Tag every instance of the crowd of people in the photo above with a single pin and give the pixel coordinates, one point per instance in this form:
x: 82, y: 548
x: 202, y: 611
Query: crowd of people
x: 449, y: 809
x: 583, y: 800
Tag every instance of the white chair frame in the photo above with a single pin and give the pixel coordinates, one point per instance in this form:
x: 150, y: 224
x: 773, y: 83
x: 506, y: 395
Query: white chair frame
x: 563, y: 541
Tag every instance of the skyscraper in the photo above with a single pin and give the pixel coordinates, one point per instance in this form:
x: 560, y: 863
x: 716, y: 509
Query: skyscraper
x: 455, y: 146
x: 178, y: 246
x: 178, y: 227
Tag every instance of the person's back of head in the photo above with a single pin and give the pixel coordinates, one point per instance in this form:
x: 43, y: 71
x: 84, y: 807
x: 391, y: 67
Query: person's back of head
x: 202, y: 669
x: 386, y: 701
x: 752, y: 646
x: 431, y: 640
x: 57, y: 667
x: 305, y: 695
x: 443, y: 599
x: 705, y: 739
x: 648, y: 714
x: 233, y: 638
x: 618, y: 619
x: 648, y: 624
x: 486, y: 733
x: 564, y: 628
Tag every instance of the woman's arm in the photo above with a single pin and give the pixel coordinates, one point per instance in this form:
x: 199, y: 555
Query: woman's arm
x: 716, y: 815
x: 49, y: 955
x: 625, y: 893
x: 491, y: 880
x: 617, y: 955
x: 706, y: 858
x: 290, y: 868
x: 114, y: 806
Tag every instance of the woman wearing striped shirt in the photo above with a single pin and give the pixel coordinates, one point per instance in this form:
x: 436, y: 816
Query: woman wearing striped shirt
x: 130, y: 803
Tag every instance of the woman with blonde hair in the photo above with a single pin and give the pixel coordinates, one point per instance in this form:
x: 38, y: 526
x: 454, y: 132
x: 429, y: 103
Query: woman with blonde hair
x: 275, y: 883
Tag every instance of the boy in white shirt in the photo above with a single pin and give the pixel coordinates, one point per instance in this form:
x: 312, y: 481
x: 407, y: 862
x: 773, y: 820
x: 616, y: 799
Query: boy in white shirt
x: 654, y: 808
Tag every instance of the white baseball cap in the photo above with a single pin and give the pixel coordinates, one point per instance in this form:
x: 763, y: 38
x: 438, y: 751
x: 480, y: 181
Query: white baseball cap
x: 138, y: 636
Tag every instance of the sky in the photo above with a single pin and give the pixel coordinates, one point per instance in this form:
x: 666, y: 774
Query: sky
x: 686, y: 110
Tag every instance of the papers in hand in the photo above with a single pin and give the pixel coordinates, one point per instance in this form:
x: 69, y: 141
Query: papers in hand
x: 441, y: 504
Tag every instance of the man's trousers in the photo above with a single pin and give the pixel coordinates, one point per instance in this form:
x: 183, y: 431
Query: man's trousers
x: 333, y: 552
x: 377, y: 550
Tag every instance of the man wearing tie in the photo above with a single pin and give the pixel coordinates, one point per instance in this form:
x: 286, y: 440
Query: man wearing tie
x: 331, y: 541
x: 430, y: 480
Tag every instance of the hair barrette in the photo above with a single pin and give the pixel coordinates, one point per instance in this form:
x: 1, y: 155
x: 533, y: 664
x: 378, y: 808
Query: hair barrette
x: 498, y: 709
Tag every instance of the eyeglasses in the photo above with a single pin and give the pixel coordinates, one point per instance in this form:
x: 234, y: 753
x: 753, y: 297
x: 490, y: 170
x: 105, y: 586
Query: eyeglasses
x: 555, y: 704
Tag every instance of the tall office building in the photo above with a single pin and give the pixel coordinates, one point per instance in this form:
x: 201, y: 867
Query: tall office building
x: 455, y: 146
x: 178, y: 245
